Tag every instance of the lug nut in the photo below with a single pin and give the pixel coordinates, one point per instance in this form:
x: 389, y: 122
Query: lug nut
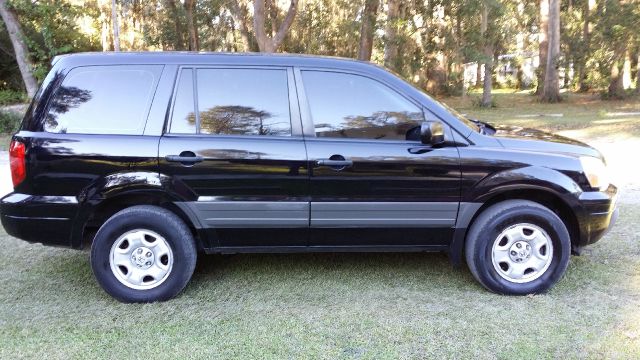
x: 148, y: 263
x: 149, y: 254
x: 513, y: 253
x: 139, y: 251
x: 518, y: 245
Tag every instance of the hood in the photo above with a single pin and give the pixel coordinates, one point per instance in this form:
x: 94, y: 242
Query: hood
x: 519, y: 138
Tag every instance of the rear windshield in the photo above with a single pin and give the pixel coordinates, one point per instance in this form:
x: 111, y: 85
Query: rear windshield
x: 103, y: 100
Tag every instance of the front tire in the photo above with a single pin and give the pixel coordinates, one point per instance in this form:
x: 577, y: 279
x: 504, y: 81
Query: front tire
x: 143, y: 254
x: 518, y: 247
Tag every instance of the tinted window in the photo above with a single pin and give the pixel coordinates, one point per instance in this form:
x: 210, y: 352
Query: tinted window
x: 103, y: 100
x: 243, y: 102
x: 183, y: 120
x: 353, y: 106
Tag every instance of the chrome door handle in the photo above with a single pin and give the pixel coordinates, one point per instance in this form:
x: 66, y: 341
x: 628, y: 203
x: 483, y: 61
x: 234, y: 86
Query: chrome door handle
x: 334, y: 163
x: 178, y: 158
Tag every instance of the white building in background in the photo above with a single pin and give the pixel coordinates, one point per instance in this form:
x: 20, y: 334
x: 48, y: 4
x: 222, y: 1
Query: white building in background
x: 506, y: 70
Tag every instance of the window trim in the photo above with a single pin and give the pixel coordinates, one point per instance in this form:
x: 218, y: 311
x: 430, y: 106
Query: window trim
x: 146, y: 113
x: 174, y: 95
x: 308, y: 125
x: 295, y: 121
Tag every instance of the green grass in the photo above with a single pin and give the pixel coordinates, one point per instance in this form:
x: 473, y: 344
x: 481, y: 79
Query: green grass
x: 585, y: 114
x: 324, y: 306
x: 362, y: 306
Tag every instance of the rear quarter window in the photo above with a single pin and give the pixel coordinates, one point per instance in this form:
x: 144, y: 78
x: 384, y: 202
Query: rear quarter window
x: 103, y: 100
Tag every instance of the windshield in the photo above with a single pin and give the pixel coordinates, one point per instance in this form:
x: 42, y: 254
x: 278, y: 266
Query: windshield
x: 473, y: 125
x: 465, y: 120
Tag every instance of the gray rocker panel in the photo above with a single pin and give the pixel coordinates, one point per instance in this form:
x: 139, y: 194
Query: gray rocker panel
x: 278, y: 214
x: 383, y: 214
x: 270, y: 214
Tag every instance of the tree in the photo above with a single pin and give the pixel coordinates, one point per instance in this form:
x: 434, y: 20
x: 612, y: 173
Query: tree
x: 367, y: 29
x: 19, y: 47
x: 191, y: 25
x: 638, y: 73
x: 551, y: 89
x: 391, y: 34
x: 240, y: 15
x: 587, y: 9
x: 271, y: 43
x: 116, y: 27
x: 543, y: 44
x: 488, y: 58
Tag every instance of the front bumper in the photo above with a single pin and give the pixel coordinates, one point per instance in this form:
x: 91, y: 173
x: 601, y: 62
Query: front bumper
x: 598, y: 214
x: 43, y: 219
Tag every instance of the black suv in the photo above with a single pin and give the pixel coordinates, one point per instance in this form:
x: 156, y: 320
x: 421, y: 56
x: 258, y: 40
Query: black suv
x: 153, y: 157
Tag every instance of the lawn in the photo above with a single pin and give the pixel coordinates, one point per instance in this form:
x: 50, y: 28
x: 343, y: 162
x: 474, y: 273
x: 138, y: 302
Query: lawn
x: 364, y: 306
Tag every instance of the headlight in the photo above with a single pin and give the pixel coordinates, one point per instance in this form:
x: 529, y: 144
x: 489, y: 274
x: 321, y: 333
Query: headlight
x: 596, y: 172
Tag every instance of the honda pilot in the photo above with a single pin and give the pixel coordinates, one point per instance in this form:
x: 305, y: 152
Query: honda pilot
x: 152, y: 158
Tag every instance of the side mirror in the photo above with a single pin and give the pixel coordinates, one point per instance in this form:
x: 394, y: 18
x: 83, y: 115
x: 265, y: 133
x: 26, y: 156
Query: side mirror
x: 432, y: 133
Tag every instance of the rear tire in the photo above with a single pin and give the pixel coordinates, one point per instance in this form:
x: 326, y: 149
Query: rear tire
x: 518, y: 247
x: 143, y: 254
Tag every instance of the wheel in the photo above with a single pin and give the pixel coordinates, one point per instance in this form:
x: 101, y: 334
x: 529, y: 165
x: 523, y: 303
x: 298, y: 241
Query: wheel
x: 143, y: 254
x: 518, y: 247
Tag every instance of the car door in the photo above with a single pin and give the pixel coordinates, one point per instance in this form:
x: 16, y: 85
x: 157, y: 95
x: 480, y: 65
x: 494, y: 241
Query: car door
x: 234, y: 151
x: 372, y: 183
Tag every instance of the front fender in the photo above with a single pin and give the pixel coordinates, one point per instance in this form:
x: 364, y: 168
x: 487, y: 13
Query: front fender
x: 534, y: 178
x: 529, y: 177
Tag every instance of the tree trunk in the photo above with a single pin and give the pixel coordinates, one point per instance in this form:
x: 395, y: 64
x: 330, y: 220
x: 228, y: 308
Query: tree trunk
x: 178, y: 40
x: 616, y: 86
x: 240, y: 15
x: 194, y: 44
x: 488, y: 59
x: 638, y: 74
x: 391, y: 34
x: 265, y: 42
x: 116, y: 28
x: 626, y: 71
x: 19, y: 47
x: 551, y: 90
x: 543, y: 44
x: 104, y: 35
x: 587, y: 7
x: 367, y: 29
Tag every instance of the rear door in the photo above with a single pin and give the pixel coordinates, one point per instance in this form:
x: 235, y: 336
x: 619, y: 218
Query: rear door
x: 372, y: 182
x: 234, y: 150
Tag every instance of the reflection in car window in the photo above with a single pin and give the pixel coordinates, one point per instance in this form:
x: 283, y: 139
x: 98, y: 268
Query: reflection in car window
x: 243, y: 102
x: 103, y: 100
x: 353, y: 106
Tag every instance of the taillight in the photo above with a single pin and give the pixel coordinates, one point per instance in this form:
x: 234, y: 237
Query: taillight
x: 16, y: 160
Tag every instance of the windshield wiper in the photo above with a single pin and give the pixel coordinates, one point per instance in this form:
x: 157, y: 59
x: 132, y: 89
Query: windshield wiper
x: 483, y: 127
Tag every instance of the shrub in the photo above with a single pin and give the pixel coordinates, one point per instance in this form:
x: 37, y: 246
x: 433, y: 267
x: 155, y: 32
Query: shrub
x: 9, y: 97
x: 9, y: 122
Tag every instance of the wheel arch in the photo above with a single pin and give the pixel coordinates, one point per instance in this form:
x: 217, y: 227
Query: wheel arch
x: 94, y: 212
x: 544, y: 196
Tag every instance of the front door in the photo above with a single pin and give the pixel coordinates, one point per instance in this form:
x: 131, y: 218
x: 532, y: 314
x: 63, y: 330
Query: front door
x: 372, y: 182
x: 236, y: 156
